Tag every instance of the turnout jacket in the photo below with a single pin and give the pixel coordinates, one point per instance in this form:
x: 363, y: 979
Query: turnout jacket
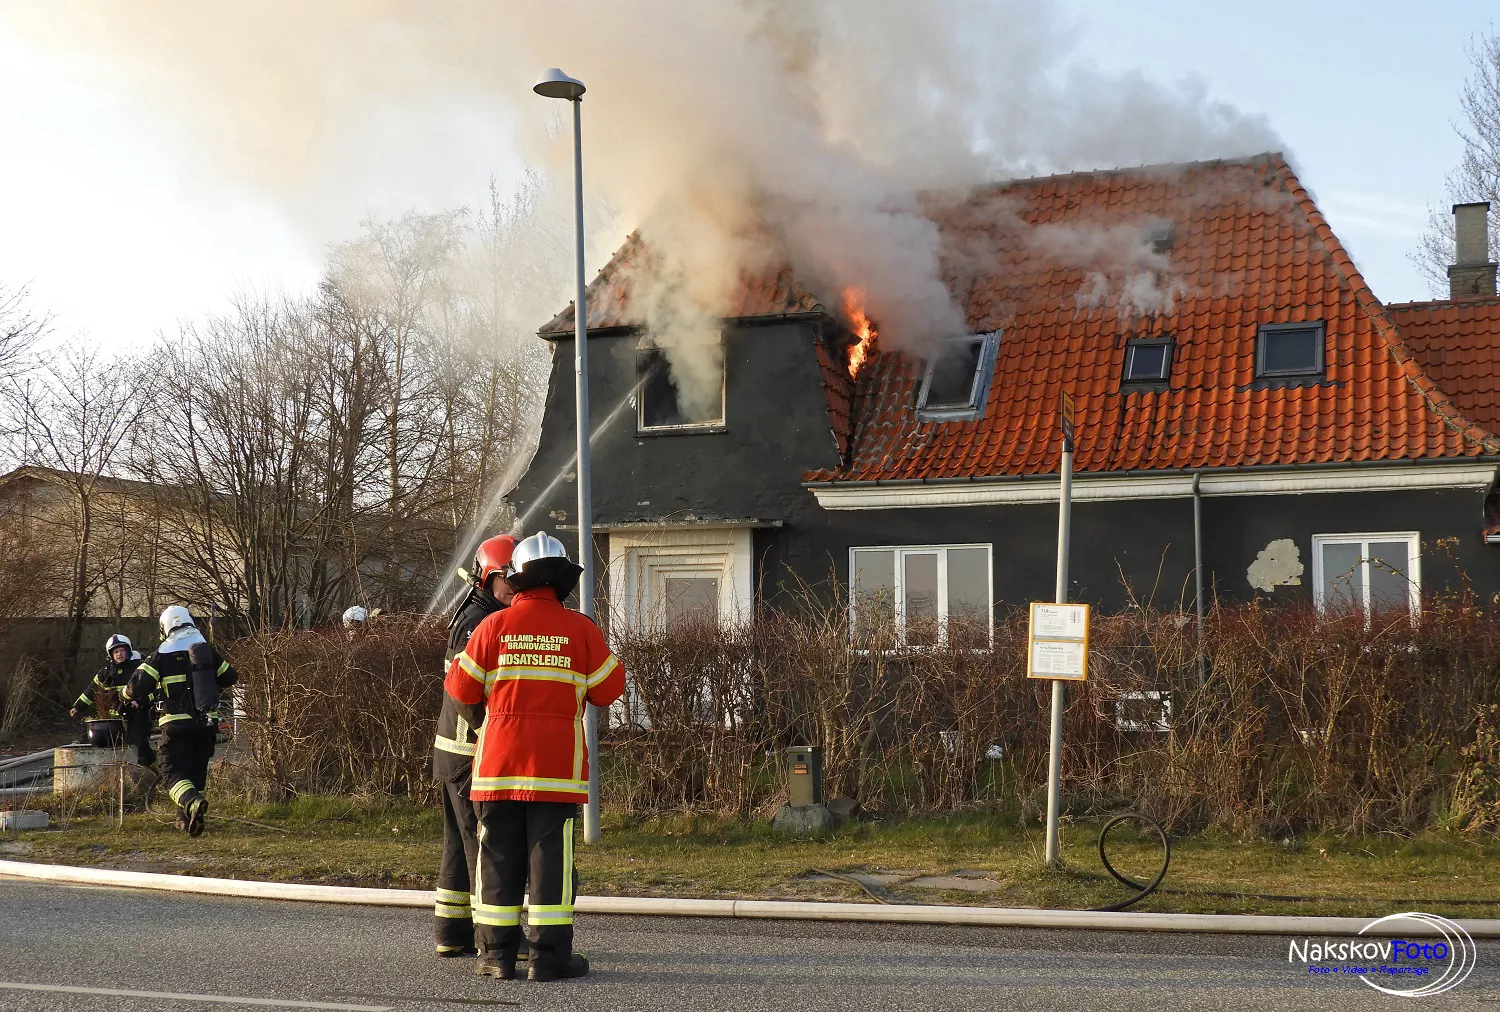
x: 167, y: 673
x: 457, y: 724
x: 111, y: 676
x: 534, y: 665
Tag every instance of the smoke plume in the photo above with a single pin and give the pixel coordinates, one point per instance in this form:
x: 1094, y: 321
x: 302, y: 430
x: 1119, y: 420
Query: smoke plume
x: 735, y: 135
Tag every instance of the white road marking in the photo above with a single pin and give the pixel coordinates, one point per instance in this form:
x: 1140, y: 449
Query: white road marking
x: 216, y: 999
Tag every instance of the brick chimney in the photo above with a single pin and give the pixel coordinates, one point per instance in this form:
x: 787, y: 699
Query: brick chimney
x: 1473, y: 272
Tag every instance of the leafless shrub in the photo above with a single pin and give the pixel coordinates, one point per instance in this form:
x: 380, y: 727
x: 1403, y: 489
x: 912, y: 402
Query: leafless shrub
x: 328, y: 714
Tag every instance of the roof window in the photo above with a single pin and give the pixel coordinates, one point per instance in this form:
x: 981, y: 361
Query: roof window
x: 1289, y: 350
x: 1148, y: 360
x: 957, y: 380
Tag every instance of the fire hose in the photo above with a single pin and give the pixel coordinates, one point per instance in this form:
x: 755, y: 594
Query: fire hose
x: 1142, y: 889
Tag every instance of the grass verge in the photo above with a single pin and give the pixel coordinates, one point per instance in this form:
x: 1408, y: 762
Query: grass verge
x: 381, y: 843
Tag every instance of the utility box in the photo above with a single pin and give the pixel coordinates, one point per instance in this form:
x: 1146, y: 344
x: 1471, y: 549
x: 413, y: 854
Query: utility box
x: 804, y: 768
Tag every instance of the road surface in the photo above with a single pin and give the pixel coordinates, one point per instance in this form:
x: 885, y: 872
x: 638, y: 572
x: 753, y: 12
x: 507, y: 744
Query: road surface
x: 267, y: 954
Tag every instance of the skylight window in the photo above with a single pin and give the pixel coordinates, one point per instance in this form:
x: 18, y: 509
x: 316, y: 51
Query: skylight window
x: 1148, y: 360
x: 1289, y: 350
x: 957, y: 380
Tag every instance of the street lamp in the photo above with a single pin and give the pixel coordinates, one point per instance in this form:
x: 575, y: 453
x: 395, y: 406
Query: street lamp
x: 555, y: 84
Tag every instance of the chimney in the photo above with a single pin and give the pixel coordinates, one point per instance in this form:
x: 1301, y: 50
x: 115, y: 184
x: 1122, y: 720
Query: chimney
x: 1473, y: 274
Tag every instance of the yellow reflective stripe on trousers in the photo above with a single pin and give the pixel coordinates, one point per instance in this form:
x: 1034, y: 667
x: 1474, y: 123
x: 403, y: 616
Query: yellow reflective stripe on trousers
x: 452, y: 896
x: 568, y: 864
x: 538, y: 914
x: 454, y: 913
x: 495, y: 916
x: 603, y: 671
x: 168, y: 718
x: 528, y: 784
x: 178, y: 790
x: 456, y: 747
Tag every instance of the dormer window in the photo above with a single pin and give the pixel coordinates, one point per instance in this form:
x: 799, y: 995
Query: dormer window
x: 1148, y: 360
x: 957, y: 380
x: 1289, y: 351
x: 681, y: 386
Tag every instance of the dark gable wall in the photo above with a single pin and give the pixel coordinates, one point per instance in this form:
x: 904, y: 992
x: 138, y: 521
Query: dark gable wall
x: 776, y: 428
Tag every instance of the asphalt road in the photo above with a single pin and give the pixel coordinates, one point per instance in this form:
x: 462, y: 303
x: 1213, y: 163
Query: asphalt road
x: 364, y: 958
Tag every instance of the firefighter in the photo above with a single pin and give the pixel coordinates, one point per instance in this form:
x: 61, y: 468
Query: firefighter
x: 121, y: 660
x: 453, y: 752
x: 533, y: 666
x: 185, y: 675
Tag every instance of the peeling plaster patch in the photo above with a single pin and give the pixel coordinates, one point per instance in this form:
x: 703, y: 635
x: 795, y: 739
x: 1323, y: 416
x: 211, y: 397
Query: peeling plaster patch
x: 1279, y: 564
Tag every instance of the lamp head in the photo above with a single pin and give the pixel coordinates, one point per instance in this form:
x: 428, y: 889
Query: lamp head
x: 555, y: 84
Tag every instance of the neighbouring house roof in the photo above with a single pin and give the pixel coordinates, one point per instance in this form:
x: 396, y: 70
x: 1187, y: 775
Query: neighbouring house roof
x: 1060, y: 266
x: 1457, y: 343
x: 1250, y: 248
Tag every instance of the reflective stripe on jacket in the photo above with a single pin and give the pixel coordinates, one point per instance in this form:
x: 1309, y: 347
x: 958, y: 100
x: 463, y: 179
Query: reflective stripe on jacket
x: 534, y: 665
x: 164, y: 677
x: 455, y: 725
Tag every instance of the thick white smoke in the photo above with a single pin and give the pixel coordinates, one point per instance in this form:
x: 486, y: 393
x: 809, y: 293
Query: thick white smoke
x: 734, y: 134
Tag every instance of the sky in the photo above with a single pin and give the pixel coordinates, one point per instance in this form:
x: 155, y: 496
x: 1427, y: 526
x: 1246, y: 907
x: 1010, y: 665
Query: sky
x: 121, y: 234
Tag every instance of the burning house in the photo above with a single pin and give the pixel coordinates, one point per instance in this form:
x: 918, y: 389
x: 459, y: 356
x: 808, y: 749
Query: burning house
x: 1223, y: 352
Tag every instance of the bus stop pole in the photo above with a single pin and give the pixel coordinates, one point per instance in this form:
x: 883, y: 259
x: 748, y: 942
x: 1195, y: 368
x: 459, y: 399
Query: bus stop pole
x: 1054, y: 754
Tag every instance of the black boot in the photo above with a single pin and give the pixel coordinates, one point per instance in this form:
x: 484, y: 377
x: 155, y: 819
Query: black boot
x: 450, y: 951
x: 493, y: 963
x: 576, y: 966
x: 197, y: 813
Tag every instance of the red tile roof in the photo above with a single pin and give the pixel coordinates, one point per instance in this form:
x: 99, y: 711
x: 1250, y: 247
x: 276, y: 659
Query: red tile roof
x: 1251, y: 248
x: 1061, y: 266
x: 1458, y: 346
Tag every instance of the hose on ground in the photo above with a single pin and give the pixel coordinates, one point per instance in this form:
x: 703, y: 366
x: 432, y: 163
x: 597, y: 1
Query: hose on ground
x: 1143, y: 889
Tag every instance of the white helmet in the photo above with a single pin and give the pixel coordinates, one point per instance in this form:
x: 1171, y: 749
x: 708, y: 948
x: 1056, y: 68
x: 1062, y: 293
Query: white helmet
x: 118, y: 640
x: 174, y: 618
x: 354, y: 615
x: 542, y: 561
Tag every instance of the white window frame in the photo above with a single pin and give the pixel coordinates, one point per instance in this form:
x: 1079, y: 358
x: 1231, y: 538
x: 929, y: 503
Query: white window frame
x: 712, y: 425
x: 899, y: 585
x: 1413, y: 541
x: 979, y: 388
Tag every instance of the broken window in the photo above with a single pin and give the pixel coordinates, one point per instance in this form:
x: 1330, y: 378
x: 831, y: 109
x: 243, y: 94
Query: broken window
x: 924, y: 591
x: 1289, y: 349
x: 1367, y: 572
x: 957, y: 380
x: 1148, y: 360
x: 681, y: 386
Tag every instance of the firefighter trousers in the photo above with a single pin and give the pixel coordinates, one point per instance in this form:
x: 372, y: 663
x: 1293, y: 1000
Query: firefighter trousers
x: 455, y: 926
x: 525, y: 843
x: 185, y: 752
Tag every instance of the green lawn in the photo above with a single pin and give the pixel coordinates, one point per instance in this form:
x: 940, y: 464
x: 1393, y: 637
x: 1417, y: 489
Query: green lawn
x: 351, y: 842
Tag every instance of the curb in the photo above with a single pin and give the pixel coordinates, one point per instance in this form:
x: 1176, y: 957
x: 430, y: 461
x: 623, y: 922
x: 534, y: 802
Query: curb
x: 994, y: 917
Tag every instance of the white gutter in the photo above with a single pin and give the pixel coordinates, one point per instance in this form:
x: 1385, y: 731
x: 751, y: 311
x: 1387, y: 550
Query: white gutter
x: 650, y: 906
x: 1107, y: 487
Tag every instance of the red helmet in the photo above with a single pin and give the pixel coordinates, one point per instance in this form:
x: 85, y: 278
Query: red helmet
x: 492, y: 557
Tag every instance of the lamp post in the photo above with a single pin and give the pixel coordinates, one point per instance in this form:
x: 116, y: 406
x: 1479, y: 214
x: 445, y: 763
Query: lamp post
x: 555, y: 84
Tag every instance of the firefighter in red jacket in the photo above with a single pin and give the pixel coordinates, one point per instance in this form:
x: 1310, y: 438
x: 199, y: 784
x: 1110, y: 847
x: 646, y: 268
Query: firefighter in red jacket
x: 533, y: 665
x: 453, y: 752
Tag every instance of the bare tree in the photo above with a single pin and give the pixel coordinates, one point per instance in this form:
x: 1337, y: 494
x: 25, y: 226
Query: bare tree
x: 1477, y: 177
x: 77, y: 420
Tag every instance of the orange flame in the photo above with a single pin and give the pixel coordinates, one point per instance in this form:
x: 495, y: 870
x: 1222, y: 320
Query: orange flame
x: 861, y: 327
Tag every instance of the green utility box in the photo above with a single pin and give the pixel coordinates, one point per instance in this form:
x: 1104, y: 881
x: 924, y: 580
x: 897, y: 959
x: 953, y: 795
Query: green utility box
x: 804, y: 769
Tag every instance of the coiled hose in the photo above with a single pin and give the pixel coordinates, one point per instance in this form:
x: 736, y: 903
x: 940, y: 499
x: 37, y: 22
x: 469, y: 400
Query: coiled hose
x: 1142, y: 889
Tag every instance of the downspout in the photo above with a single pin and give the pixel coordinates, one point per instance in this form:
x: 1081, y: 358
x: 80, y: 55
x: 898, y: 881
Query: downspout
x: 1198, y: 571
